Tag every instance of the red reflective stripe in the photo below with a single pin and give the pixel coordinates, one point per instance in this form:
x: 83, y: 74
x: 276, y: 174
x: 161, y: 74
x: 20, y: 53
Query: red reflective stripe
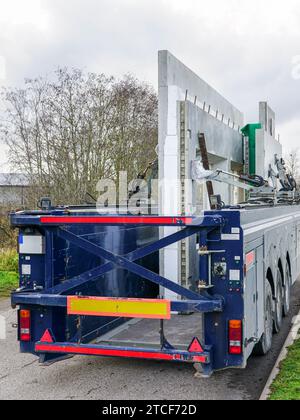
x: 250, y: 259
x: 103, y: 352
x: 199, y: 359
x: 114, y: 353
x: 116, y: 220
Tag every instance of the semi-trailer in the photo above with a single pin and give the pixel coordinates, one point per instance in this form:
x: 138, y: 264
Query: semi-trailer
x: 183, y: 284
x: 90, y: 284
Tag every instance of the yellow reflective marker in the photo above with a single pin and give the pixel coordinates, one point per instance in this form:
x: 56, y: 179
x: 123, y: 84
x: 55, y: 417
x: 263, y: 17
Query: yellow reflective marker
x: 124, y: 308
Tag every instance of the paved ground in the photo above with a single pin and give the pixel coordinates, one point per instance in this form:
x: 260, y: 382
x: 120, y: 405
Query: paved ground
x: 21, y: 376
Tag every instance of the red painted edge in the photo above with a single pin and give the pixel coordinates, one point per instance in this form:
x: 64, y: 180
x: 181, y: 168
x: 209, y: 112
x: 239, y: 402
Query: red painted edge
x: 250, y: 258
x: 44, y: 348
x: 116, y: 220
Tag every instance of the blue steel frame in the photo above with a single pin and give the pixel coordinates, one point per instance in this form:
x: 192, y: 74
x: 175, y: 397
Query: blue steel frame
x: 194, y: 302
x: 52, y: 296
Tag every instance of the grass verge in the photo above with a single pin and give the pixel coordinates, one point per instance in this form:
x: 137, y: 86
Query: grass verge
x: 8, y: 282
x: 287, y: 384
x: 9, y: 260
x: 8, y: 271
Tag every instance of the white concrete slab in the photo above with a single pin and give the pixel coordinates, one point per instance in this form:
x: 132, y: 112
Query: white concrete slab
x: 219, y: 121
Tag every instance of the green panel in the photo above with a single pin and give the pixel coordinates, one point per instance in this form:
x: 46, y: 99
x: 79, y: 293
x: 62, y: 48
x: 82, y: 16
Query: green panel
x: 250, y: 131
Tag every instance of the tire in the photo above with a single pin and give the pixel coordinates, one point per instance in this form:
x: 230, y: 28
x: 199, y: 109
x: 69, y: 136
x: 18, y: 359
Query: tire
x: 264, y: 346
x: 287, y: 290
x: 278, y: 312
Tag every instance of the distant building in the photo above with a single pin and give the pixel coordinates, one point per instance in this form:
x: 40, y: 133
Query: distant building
x: 13, y: 188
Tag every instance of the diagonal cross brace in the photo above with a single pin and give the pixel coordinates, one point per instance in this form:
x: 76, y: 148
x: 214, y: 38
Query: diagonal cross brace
x: 126, y: 264
x: 132, y: 256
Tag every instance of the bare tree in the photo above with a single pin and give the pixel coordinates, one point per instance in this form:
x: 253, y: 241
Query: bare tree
x: 67, y: 132
x: 292, y: 162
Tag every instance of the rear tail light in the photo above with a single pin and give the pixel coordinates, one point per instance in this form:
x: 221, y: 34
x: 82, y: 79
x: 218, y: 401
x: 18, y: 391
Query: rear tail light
x: 235, y: 337
x: 25, y: 323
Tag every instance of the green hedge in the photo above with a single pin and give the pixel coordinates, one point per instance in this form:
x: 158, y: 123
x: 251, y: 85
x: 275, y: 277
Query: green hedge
x: 9, y: 260
x: 287, y: 385
x: 8, y: 282
x: 9, y: 277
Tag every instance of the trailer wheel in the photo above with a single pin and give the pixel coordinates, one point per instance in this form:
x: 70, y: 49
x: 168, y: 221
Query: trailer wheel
x: 278, y: 314
x: 287, y: 290
x: 265, y: 344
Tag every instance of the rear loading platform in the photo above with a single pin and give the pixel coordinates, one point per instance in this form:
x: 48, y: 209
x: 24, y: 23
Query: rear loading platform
x: 179, y: 331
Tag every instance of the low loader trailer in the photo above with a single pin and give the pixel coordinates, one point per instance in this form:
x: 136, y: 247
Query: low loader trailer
x: 90, y: 284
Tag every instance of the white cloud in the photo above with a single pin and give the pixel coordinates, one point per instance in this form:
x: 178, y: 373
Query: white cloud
x: 290, y: 134
x: 16, y: 12
x: 243, y: 48
x: 2, y: 69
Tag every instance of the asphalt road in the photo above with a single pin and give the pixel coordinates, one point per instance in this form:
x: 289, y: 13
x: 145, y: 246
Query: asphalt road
x: 94, y: 378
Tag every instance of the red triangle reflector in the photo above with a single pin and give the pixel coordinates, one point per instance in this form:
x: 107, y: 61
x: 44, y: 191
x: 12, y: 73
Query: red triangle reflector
x: 47, y: 337
x: 195, y: 346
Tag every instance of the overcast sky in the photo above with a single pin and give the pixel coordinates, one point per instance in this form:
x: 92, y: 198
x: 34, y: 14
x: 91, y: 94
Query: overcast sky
x: 248, y: 50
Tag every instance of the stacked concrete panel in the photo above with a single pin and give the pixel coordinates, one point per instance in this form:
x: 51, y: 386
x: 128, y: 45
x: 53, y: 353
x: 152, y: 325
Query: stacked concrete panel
x: 189, y: 106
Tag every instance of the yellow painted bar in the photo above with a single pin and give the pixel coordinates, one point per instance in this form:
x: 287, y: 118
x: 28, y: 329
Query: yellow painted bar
x: 124, y: 308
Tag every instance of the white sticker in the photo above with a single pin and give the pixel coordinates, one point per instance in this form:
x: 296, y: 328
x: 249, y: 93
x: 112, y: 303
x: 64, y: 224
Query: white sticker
x: 26, y: 269
x: 235, y: 275
x: 235, y: 230
x: 230, y: 237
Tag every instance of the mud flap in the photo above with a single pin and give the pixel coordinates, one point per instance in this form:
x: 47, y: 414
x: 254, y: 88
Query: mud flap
x: 48, y: 359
